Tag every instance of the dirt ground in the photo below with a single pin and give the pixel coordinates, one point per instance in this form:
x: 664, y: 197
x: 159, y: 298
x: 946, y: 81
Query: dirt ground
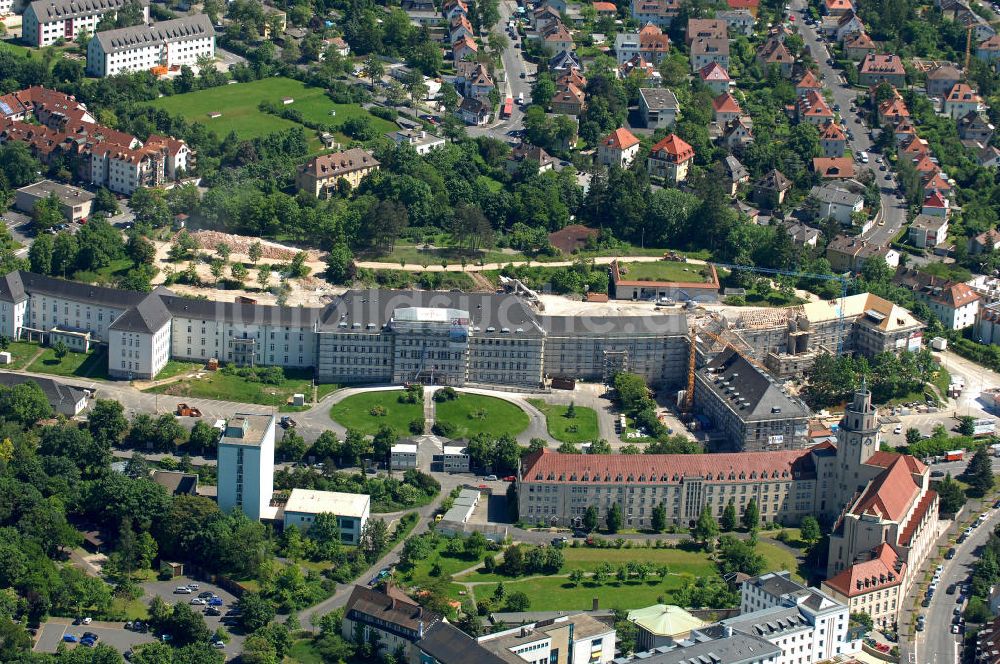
x: 310, y: 291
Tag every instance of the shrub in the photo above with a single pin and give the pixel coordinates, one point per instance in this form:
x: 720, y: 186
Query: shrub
x: 445, y: 429
x: 378, y: 411
x: 383, y: 112
x: 416, y: 426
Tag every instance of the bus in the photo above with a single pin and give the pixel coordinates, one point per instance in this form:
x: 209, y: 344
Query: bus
x: 508, y: 107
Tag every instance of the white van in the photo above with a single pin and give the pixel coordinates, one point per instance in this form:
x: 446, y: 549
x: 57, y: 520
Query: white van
x: 864, y: 157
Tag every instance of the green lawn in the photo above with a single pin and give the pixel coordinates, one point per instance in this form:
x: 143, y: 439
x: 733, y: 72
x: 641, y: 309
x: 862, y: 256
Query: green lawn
x: 176, y: 368
x: 354, y: 412
x: 779, y: 558
x: 417, y: 255
x: 105, y: 275
x: 557, y: 593
x: 666, y: 271
x: 81, y: 365
x: 302, y: 652
x: 228, y: 387
x: 135, y: 609
x: 693, y: 563
x: 473, y: 414
x: 450, y: 564
x: 578, y: 429
x: 238, y: 104
x: 20, y: 353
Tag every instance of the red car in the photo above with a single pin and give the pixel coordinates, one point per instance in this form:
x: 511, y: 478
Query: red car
x: 510, y: 478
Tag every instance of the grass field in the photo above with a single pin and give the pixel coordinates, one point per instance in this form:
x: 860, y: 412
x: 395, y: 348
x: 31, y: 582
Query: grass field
x: 302, y: 652
x: 20, y: 353
x: 557, y: 593
x: 354, y: 412
x: 81, y: 365
x: 665, y: 271
x: 238, y: 104
x: 176, y: 368
x: 227, y: 387
x: 105, y: 275
x: 473, y: 414
x: 579, y: 429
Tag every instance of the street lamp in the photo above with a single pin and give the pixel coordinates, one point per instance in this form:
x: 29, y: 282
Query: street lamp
x: 274, y: 403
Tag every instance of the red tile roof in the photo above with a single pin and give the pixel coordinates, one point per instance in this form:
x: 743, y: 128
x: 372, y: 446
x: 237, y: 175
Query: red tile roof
x: 923, y: 507
x: 549, y: 466
x: 884, y: 459
x: 870, y: 576
x: 743, y: 4
x: 620, y: 139
x: 935, y: 199
x: 890, y: 495
x: 726, y: 103
x: 676, y: 147
x: 605, y: 7
x: 834, y: 167
x: 831, y: 131
x: 713, y: 71
x: 882, y: 63
x: 809, y: 81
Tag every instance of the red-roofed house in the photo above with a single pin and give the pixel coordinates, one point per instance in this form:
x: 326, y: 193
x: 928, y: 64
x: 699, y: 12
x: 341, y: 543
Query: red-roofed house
x: 876, y: 68
x: 954, y: 303
x: 833, y: 140
x: 774, y: 53
x: 858, y: 45
x: 837, y: 7
x: 570, y: 100
x: 715, y: 77
x: 989, y: 49
x: 618, y: 148
x: 812, y: 108
x: 670, y: 159
x: 753, y: 6
x: 961, y: 101
x: 806, y: 83
x: 873, y: 587
x: 936, y: 205
x: 893, y: 111
x: 726, y: 108
x: 464, y: 48
x: 834, y: 168
x: 605, y: 9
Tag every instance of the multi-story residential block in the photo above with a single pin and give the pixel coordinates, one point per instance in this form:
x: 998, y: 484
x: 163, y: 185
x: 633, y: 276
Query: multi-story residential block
x: 178, y: 42
x: 670, y: 159
x: 619, y: 148
x: 320, y: 175
x: 706, y: 50
x: 928, y: 231
x: 876, y: 68
x: 658, y: 107
x: 47, y: 21
x: 746, y: 409
x: 246, y: 465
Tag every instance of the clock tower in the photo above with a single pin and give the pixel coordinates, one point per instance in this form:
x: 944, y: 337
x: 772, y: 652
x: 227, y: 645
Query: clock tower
x: 859, y: 433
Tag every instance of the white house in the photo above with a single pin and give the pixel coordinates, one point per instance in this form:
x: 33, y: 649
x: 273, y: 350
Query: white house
x: 403, y: 456
x: 838, y: 203
x: 418, y: 139
x: 181, y: 41
x: 351, y: 509
x: 246, y: 465
x: 619, y: 148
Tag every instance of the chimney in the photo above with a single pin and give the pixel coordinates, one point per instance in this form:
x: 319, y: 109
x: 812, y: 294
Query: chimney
x: 727, y: 631
x: 524, y: 632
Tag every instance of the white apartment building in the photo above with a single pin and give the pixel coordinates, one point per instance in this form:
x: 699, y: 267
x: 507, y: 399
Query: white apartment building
x: 177, y: 42
x: 246, y: 465
x: 47, y: 21
x: 576, y: 638
x: 351, y: 510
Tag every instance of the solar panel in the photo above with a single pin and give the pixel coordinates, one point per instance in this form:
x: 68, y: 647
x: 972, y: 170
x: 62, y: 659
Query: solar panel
x: 5, y: 107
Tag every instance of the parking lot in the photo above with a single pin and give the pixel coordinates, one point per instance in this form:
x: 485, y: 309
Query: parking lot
x: 51, y: 633
x: 165, y: 590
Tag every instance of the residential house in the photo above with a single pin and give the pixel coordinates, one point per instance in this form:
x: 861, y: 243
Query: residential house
x: 670, y: 159
x: 848, y: 24
x: 936, y: 205
x: 544, y: 18
x: 858, y: 46
x: 878, y: 67
x: 892, y: 111
x: 339, y: 46
x: 940, y: 80
x: 955, y: 304
x: 985, y: 242
x: 480, y: 84
x: 802, y: 235
x: 422, y: 142
x: 808, y: 83
x: 738, y: 21
x: 770, y: 189
x: 644, y: 70
x: 737, y: 134
x: 571, y: 77
x: 961, y: 101
x: 726, y: 108
x: 928, y: 231
x: 905, y: 132
x: 619, y: 148
x: 654, y: 44
x: 705, y: 28
x: 606, y: 9
x: 836, y: 7
x: 988, y: 50
x: 660, y: 13
x: 453, y: 8
x: 849, y: 253
x: 812, y: 108
x: 705, y: 50
x: 557, y: 38
x: 833, y: 140
x: 774, y: 53
x: 658, y: 107
x: 475, y: 112
x: 833, y: 168
x: 838, y: 203
x: 464, y: 49
x: 752, y: 6
x: 569, y: 100
x: 716, y: 78
x: 736, y: 173
x: 320, y: 175
x: 975, y: 127
x: 563, y: 62
x: 388, y: 618
x: 527, y: 153
x: 460, y: 27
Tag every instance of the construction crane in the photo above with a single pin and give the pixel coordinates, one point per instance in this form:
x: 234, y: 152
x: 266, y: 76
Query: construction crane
x: 968, y: 47
x: 689, y: 395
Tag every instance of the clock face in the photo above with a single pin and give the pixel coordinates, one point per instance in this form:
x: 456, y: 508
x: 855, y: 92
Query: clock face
x: 869, y: 441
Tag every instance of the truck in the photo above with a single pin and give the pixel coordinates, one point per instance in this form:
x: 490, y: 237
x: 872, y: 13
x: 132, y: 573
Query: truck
x: 954, y: 455
x: 508, y: 107
x: 984, y: 427
x: 939, y: 343
x: 184, y: 410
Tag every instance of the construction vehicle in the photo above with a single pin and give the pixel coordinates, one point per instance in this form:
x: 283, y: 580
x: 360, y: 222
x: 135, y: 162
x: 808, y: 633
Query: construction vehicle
x: 674, y: 256
x: 184, y: 410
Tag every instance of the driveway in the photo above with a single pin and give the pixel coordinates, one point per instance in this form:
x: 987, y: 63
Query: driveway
x: 111, y: 633
x: 165, y: 590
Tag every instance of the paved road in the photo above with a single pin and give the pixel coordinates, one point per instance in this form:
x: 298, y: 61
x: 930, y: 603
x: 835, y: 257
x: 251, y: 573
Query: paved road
x: 895, y: 210
x: 936, y: 644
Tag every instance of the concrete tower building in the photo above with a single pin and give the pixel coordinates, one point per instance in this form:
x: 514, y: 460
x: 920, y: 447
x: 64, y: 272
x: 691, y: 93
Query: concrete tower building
x: 246, y: 465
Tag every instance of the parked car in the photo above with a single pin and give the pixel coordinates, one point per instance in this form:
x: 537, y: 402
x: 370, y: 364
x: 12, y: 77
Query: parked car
x: 193, y: 586
x: 206, y: 595
x: 213, y: 611
x: 198, y: 601
x: 215, y: 601
x: 218, y: 645
x: 490, y: 478
x: 71, y: 638
x: 950, y: 554
x: 182, y: 590
x: 898, y: 429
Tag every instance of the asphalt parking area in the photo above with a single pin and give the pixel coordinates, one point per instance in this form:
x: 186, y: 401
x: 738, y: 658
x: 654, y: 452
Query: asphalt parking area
x: 112, y: 634
x: 165, y: 590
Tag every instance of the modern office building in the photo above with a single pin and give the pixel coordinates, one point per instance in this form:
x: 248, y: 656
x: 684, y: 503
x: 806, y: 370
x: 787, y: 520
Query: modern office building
x: 166, y: 44
x: 563, y: 640
x: 74, y: 203
x: 47, y: 21
x: 246, y: 465
x: 350, y: 509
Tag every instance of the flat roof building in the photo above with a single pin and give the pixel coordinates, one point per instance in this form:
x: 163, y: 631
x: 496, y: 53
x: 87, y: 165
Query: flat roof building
x: 246, y: 465
x: 351, y: 509
x: 74, y: 203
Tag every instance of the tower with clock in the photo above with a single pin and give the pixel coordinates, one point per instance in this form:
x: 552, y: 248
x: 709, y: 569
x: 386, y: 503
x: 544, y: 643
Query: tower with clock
x: 858, y: 440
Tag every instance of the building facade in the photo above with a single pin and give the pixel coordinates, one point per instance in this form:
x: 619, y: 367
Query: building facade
x: 47, y: 21
x: 321, y: 175
x: 246, y: 465
x: 178, y: 42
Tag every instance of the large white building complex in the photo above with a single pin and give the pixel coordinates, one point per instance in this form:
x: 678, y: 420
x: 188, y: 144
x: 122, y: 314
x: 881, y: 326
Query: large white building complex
x: 47, y: 21
x: 177, y: 42
x: 884, y: 512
